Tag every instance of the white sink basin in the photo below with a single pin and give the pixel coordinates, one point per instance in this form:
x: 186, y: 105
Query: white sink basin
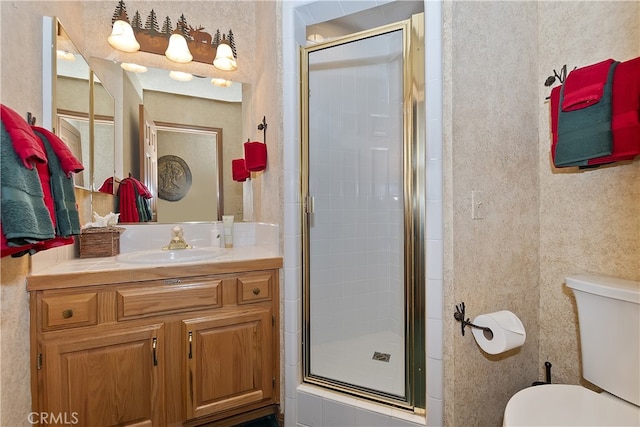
x: 160, y: 256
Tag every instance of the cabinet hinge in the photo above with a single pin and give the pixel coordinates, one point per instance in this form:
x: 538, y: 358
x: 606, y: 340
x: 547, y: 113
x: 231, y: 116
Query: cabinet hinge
x: 39, y: 361
x: 190, y: 341
x: 273, y: 382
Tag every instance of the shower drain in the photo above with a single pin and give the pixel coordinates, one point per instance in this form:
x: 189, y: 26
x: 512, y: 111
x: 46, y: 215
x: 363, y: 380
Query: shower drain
x: 382, y: 357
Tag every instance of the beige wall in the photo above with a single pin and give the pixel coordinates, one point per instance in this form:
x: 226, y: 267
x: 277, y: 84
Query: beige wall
x: 542, y: 224
x: 267, y: 102
x: 21, y: 90
x: 590, y: 220
x: 491, y: 136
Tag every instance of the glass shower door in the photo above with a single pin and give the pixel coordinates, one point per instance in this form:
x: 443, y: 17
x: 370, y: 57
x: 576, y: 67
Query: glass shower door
x: 356, y: 159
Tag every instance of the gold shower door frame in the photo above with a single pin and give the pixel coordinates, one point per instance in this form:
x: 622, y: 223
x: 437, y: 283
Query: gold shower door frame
x: 414, y: 160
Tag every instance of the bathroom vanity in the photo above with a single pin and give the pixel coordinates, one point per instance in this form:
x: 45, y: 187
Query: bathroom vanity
x: 154, y: 345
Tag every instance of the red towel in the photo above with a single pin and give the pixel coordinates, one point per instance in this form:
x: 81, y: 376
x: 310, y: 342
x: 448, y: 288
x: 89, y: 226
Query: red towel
x: 141, y: 189
x: 107, y: 186
x: 555, y: 110
x: 584, y: 87
x: 239, y: 170
x: 25, y: 143
x: 68, y: 161
x: 127, y: 201
x: 625, y: 111
x: 625, y: 120
x: 255, y: 155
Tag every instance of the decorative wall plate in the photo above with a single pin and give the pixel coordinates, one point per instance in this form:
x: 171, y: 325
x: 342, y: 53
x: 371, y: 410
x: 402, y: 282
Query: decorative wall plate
x: 174, y: 178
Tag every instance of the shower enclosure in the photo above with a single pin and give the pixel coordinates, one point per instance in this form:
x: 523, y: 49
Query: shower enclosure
x: 363, y: 221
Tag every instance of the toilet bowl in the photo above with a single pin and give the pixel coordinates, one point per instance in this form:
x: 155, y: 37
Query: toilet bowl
x: 609, y: 325
x: 568, y: 405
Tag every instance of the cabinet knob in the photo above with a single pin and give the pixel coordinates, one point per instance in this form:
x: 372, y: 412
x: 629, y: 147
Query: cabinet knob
x: 66, y: 314
x: 256, y: 291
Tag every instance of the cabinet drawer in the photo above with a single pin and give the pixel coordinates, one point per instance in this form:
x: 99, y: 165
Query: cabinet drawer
x: 254, y: 288
x: 69, y: 311
x: 168, y: 298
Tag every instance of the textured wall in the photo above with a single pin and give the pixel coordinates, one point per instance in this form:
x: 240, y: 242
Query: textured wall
x: 590, y: 220
x: 267, y: 102
x: 21, y: 90
x: 491, y: 264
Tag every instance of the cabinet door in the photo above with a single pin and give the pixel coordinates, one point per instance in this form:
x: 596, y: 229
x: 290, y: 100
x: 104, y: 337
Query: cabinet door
x: 229, y: 361
x: 105, y: 377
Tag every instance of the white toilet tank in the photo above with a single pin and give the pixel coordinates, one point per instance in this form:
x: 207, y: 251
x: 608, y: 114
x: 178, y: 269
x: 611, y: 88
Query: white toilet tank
x: 609, y: 322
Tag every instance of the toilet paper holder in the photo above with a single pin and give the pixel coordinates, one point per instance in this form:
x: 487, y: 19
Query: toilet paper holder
x: 459, y: 315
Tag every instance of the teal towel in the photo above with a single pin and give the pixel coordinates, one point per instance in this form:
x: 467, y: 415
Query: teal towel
x: 62, y: 191
x: 24, y: 215
x: 144, y: 212
x: 586, y: 133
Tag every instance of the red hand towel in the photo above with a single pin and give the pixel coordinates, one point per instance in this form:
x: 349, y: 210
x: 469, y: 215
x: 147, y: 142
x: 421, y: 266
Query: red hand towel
x: 141, y: 188
x: 107, y: 186
x: 68, y: 161
x: 584, y: 87
x: 255, y: 155
x: 25, y: 143
x: 239, y: 170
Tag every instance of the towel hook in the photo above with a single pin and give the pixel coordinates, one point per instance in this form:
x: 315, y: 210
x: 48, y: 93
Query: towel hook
x: 459, y: 315
x: 263, y: 127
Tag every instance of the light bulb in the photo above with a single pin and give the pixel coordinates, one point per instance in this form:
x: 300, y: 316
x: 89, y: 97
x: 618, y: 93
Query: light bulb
x: 224, y: 58
x: 122, y: 37
x: 178, y: 51
x: 134, y: 68
x: 220, y: 82
x: 180, y: 76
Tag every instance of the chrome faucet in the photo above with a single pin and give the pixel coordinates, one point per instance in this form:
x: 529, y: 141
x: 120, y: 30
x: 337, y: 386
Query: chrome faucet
x: 177, y: 240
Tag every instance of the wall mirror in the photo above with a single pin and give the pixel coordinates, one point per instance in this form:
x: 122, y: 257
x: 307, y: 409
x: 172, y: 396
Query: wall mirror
x: 103, y: 137
x: 82, y: 110
x: 71, y: 101
x: 198, y: 130
x: 98, y: 105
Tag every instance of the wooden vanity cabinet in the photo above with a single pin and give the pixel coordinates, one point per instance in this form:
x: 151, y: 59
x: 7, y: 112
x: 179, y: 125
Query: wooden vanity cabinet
x: 188, y: 350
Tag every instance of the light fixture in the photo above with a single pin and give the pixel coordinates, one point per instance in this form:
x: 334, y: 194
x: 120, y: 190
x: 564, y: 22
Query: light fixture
x: 178, y: 51
x: 224, y: 57
x: 315, y: 38
x: 220, y: 82
x: 180, y: 76
x: 180, y: 43
x: 122, y: 37
x: 65, y: 56
x: 134, y: 68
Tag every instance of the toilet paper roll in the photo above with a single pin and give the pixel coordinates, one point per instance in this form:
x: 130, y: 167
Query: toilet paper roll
x: 508, y: 332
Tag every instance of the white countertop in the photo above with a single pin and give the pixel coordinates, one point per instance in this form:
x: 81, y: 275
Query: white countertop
x: 106, y: 264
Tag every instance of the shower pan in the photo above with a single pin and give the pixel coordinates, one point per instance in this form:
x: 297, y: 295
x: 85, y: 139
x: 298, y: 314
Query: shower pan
x: 363, y: 214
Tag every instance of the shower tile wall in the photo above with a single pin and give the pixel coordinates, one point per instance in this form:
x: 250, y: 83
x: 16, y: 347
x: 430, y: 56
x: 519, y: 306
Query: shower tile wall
x: 356, y: 161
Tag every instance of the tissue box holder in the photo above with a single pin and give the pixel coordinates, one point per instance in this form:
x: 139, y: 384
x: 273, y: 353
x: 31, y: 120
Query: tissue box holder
x: 100, y: 242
